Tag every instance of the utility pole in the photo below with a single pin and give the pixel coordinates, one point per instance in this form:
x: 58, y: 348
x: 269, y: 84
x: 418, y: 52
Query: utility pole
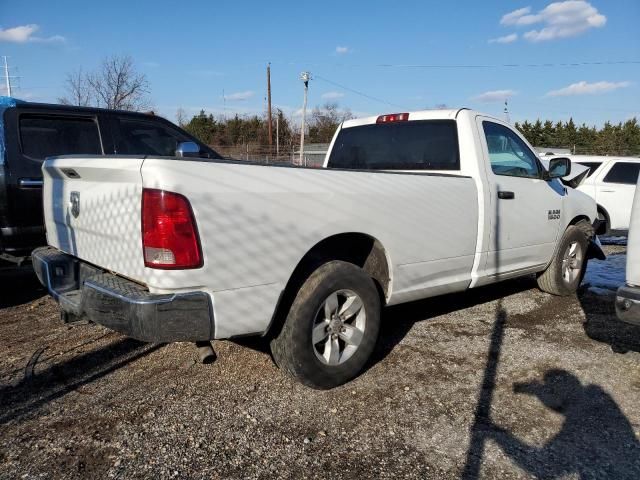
x: 305, y: 77
x: 7, y: 77
x: 269, y: 106
x: 278, y: 133
x: 224, y: 106
x: 507, y: 118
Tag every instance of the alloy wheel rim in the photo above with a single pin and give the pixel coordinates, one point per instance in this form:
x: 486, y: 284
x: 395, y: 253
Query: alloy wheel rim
x: 339, y: 327
x: 572, y: 262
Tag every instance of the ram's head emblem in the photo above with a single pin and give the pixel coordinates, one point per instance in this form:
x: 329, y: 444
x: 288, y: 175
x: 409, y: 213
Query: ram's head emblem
x: 74, y: 200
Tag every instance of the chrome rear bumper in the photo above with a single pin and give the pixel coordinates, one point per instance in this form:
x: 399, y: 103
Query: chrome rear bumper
x: 82, y: 289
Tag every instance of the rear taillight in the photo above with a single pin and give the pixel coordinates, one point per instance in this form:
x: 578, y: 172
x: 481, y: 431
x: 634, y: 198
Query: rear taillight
x: 169, y: 234
x: 393, y: 117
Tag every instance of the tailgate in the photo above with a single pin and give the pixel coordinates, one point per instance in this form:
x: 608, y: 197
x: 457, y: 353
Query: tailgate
x: 92, y: 209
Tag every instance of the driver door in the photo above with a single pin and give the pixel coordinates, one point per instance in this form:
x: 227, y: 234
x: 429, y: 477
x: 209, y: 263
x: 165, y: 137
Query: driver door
x: 525, y: 208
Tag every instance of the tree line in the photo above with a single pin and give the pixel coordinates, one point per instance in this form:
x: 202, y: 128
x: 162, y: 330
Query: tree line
x: 253, y: 129
x: 622, y: 138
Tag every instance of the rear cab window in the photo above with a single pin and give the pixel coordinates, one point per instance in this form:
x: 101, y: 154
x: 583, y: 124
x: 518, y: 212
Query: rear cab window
x: 405, y: 145
x: 625, y: 173
x: 44, y: 135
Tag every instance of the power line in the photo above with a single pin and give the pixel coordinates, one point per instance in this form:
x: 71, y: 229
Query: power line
x: 446, y: 66
x: 502, y: 65
x: 370, y: 97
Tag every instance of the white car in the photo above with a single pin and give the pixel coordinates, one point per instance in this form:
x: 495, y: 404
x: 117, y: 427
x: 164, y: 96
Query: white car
x: 628, y: 296
x: 611, y: 181
x: 408, y: 206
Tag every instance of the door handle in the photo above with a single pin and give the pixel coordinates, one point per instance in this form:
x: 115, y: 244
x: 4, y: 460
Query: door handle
x: 506, y: 195
x: 30, y: 182
x: 607, y: 191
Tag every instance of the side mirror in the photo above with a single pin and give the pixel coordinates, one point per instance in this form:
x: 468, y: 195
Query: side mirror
x: 559, y: 167
x: 187, y: 149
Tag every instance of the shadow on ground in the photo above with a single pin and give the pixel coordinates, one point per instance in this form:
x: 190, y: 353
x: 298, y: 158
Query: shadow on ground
x: 398, y: 320
x: 19, y: 286
x: 596, y: 439
x: 602, y: 325
x: 35, y: 390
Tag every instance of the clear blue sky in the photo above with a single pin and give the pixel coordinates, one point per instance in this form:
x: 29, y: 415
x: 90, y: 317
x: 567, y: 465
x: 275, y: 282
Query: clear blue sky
x: 192, y: 51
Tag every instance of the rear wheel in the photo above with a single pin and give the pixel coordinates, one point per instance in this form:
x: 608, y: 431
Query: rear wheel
x: 332, y: 326
x: 565, y: 272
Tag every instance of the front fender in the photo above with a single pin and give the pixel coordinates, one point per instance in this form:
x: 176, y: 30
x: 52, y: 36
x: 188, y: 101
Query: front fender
x: 577, y: 204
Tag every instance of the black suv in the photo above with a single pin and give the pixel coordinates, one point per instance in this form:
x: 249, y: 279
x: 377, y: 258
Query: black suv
x: 30, y: 132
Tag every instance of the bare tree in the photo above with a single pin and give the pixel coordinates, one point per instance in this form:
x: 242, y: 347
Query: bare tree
x: 116, y: 85
x: 325, y: 120
x: 78, y: 90
x: 181, y: 116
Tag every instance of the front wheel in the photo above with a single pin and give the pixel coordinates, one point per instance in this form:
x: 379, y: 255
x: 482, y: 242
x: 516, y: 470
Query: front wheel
x: 332, y: 326
x: 564, y: 273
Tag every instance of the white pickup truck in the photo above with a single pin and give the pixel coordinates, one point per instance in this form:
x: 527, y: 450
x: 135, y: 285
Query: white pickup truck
x: 408, y: 206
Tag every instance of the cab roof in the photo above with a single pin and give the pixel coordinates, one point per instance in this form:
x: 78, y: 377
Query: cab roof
x: 446, y: 114
x: 8, y: 102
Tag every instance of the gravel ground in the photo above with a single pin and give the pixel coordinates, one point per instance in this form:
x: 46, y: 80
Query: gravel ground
x: 502, y: 382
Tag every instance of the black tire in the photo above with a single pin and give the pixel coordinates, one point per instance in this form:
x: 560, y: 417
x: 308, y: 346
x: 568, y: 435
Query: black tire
x: 552, y: 280
x: 293, y: 349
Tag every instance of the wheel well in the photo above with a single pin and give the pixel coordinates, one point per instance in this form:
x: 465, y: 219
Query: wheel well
x: 358, y: 248
x: 582, y: 221
x: 604, y: 212
x: 579, y: 218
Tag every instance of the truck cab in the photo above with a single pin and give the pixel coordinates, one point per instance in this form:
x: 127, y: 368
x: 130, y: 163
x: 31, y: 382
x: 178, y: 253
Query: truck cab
x: 522, y: 211
x: 31, y: 132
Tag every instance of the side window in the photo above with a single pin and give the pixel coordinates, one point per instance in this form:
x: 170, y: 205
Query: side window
x: 44, y: 136
x: 593, y: 166
x: 623, y: 172
x: 508, y: 154
x: 140, y: 137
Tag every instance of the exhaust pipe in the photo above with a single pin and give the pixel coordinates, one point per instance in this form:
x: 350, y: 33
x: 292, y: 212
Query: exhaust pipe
x: 205, y: 352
